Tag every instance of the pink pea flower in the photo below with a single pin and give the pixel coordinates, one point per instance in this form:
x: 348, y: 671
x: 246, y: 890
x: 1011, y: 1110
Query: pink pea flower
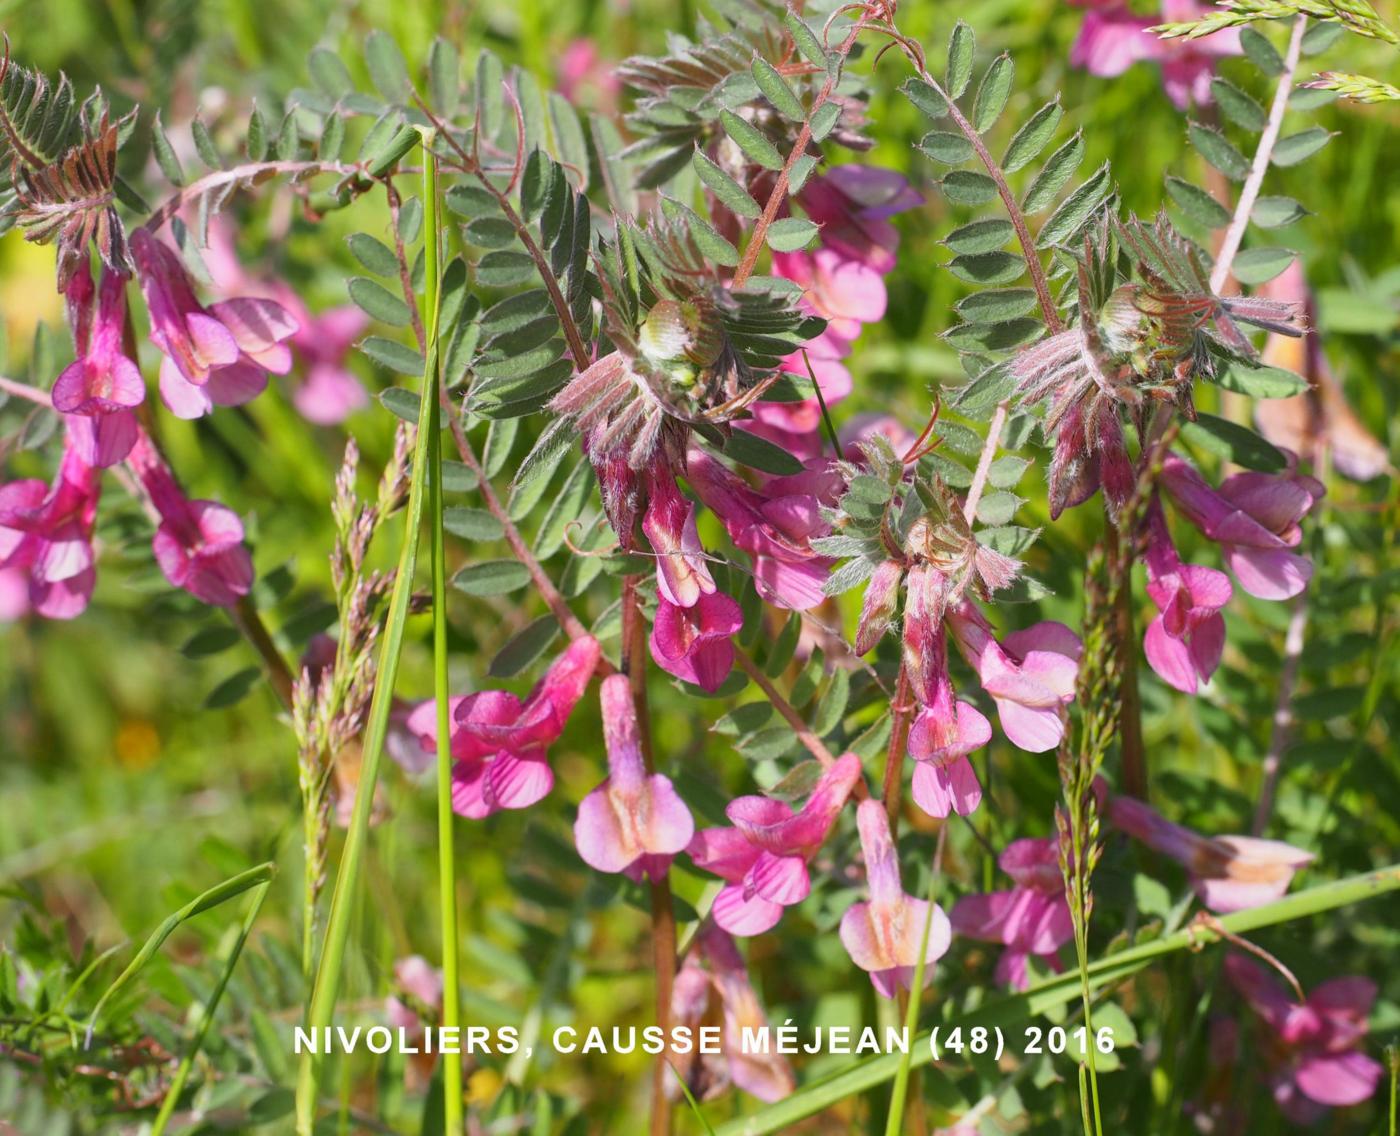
x: 1030, y: 674
x: 943, y: 732
x: 218, y: 355
x: 1314, y: 1047
x: 1031, y: 918
x: 764, y: 856
x: 98, y: 390
x: 845, y: 292
x: 1254, y: 518
x: 1112, y: 39
x: 585, y: 77
x: 634, y: 822
x: 883, y: 936
x: 14, y: 592
x: 1228, y: 873
x: 713, y: 987
x: 682, y: 576
x: 46, y: 532
x: 499, y: 742
x: 693, y: 643
x: 1185, y: 641
x: 774, y: 529
x: 853, y: 204
x: 198, y: 544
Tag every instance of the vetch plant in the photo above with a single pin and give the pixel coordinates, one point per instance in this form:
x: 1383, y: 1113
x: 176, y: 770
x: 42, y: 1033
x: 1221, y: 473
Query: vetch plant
x: 849, y: 666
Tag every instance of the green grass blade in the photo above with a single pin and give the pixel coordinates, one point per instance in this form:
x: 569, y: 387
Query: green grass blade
x: 233, y: 886
x: 1059, y: 991
x: 347, y: 881
x: 182, y: 1074
x: 447, y: 879
x: 690, y: 1100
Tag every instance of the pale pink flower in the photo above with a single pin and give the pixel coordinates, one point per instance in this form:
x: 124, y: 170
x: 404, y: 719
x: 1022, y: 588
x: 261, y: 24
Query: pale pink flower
x: 1228, y: 873
x: 883, y: 935
x: 14, y: 593
x: 1030, y: 674
x: 764, y: 856
x: 198, y: 544
x: 772, y: 528
x: 499, y: 741
x: 693, y: 643
x: 712, y: 988
x: 1031, y: 918
x: 634, y: 822
x: 219, y: 355
x: 417, y: 978
x: 1254, y: 518
x: 584, y: 76
x: 330, y: 392
x: 1313, y: 1048
x: 853, y: 204
x: 46, y: 532
x: 1186, y: 639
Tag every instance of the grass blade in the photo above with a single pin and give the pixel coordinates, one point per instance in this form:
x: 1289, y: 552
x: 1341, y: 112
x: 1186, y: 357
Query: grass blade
x: 347, y: 881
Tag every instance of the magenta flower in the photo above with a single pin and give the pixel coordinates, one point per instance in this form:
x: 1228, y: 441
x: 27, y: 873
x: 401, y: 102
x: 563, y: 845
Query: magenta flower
x: 98, y: 390
x: 1254, y: 518
x: 682, y: 576
x: 634, y: 822
x: 499, y: 742
x: 1112, y: 39
x: 693, y: 643
x: 198, y: 544
x: 715, y: 967
x: 1186, y: 639
x: 1031, y: 918
x: 883, y: 936
x: 1314, y: 1048
x: 1228, y: 873
x: 764, y: 856
x: 14, y: 593
x: 330, y: 392
x: 218, y: 355
x: 46, y: 532
x: 853, y: 205
x: 1030, y: 674
x: 773, y: 529
x: 943, y: 732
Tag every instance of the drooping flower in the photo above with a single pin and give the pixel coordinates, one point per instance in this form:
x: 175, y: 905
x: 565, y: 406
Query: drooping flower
x: 682, y: 576
x: 1031, y: 918
x: 693, y: 643
x: 98, y: 390
x: 198, y: 544
x: 499, y: 741
x: 1228, y: 873
x: 219, y: 355
x: 853, y: 204
x: 944, y: 731
x: 883, y: 936
x: 773, y: 529
x: 46, y: 532
x: 764, y: 856
x: 1112, y: 39
x: 1030, y: 674
x: 634, y: 822
x: 1313, y: 1048
x: 1186, y: 639
x: 713, y: 988
x: 1254, y: 518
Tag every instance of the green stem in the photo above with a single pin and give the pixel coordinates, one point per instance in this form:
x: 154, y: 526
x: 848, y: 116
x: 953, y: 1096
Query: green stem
x: 1014, y: 1010
x: 182, y: 1074
x: 447, y: 879
x: 321, y: 1007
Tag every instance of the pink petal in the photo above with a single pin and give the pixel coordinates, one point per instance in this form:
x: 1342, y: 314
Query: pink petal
x: 181, y: 397
x: 329, y: 395
x: 1338, y: 1079
x: 1268, y: 574
x: 782, y: 879
x: 516, y: 783
x: 744, y: 916
x: 941, y: 789
x: 1033, y: 730
x: 1170, y: 657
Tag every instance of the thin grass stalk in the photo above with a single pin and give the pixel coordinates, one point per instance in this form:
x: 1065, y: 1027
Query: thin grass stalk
x: 196, y: 1043
x: 447, y: 875
x: 321, y: 1006
x: 894, y: 1122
